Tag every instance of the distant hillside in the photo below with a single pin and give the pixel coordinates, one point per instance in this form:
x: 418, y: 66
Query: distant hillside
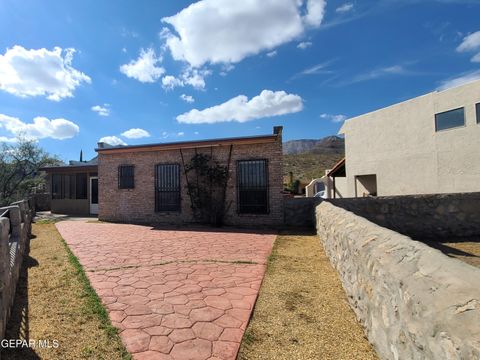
x: 309, y: 158
x: 329, y: 144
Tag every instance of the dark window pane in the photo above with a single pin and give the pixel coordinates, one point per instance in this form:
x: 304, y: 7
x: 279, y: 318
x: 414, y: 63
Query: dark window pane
x: 126, y: 178
x: 477, y: 107
x: 449, y: 119
x: 167, y: 187
x: 72, y: 186
x: 94, y: 190
x: 81, y: 186
x: 57, y: 188
x: 66, y: 186
x: 252, y: 186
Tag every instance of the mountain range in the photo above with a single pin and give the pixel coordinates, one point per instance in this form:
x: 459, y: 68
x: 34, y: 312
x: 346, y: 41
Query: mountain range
x: 308, y: 159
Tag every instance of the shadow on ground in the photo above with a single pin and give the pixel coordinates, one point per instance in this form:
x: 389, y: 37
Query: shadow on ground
x: 18, y: 325
x: 466, y: 249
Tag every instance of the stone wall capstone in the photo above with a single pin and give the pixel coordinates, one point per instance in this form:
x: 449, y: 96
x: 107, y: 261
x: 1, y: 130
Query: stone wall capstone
x: 413, y: 301
x: 422, y: 217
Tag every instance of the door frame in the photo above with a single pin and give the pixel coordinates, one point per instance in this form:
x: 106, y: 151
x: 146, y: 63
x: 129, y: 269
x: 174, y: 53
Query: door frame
x: 93, y: 207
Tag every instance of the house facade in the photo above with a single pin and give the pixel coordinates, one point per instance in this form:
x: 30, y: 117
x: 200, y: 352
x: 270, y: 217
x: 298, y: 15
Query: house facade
x: 73, y: 187
x: 149, y: 184
x: 426, y: 145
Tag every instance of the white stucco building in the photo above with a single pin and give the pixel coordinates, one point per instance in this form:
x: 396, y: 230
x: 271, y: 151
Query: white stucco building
x: 426, y: 145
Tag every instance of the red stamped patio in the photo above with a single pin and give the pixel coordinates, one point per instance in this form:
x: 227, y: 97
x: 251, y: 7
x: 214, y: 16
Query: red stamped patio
x: 173, y: 294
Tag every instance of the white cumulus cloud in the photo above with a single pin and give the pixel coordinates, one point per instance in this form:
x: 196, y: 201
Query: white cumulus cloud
x: 237, y: 29
x: 101, y: 110
x: 334, y: 118
x: 304, y: 44
x: 144, y: 69
x: 170, y: 82
x: 192, y: 77
x: 112, y: 140
x: 187, y: 98
x: 40, y: 128
x: 344, y: 8
x: 135, y: 133
x: 460, y: 80
x: 241, y: 109
x: 471, y: 43
x: 40, y: 72
x: 315, y: 12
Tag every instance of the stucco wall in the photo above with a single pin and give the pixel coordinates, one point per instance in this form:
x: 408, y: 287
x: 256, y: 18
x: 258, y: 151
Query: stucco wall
x: 138, y: 204
x: 414, y: 302
x: 399, y: 144
x: 422, y: 217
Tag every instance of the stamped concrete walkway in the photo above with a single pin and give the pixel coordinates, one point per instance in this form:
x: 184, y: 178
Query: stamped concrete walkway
x: 173, y: 294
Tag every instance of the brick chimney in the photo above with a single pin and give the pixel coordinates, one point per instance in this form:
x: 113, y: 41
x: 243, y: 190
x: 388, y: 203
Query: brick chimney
x: 277, y: 130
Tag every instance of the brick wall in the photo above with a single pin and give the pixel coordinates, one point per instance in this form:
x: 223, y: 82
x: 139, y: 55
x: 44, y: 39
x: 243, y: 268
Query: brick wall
x: 138, y: 205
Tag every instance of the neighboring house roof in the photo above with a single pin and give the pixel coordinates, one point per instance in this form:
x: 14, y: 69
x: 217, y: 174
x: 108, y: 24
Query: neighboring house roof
x: 338, y: 170
x: 249, y: 140
x: 74, y: 165
x: 93, y: 161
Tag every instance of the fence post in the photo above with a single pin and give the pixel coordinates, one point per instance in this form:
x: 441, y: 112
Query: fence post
x: 4, y: 273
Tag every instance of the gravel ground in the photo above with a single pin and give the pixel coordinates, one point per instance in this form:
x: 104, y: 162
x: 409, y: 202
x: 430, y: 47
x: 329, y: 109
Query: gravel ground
x: 302, y: 310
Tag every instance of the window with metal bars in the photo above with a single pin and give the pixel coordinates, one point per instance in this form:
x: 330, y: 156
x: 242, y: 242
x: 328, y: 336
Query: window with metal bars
x: 167, y: 187
x: 252, y: 186
x: 126, y: 177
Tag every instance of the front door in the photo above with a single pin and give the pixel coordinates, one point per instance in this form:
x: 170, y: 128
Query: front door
x: 94, y: 195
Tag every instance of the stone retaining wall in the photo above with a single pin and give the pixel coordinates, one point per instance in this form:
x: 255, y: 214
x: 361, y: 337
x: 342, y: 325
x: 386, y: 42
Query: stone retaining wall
x: 15, y: 231
x: 413, y: 301
x: 422, y: 217
x: 300, y: 212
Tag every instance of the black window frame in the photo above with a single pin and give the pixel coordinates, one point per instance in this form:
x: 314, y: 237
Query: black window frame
x: 437, y: 115
x: 257, y: 191
x: 477, y: 112
x: 126, y: 176
x: 171, y: 173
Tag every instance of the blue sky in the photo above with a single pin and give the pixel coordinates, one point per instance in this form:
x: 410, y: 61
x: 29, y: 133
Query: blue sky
x: 148, y: 71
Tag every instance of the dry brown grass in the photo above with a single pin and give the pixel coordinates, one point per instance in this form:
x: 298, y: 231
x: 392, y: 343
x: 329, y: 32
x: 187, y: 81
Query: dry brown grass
x: 54, y: 302
x: 302, y: 311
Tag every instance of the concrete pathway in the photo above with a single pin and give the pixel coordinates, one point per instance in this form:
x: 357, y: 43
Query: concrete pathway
x: 173, y: 294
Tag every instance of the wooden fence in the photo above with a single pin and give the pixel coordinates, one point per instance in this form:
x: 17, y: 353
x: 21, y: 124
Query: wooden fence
x: 15, y: 231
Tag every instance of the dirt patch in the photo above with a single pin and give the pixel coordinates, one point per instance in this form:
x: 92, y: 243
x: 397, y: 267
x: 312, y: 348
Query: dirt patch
x: 54, y: 302
x: 302, y: 310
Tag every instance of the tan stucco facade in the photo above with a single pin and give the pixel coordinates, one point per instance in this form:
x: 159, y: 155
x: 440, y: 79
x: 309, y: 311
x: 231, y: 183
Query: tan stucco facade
x: 400, y: 147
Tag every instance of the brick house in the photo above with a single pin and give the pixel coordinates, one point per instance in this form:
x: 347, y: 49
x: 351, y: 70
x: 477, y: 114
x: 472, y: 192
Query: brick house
x: 148, y: 184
